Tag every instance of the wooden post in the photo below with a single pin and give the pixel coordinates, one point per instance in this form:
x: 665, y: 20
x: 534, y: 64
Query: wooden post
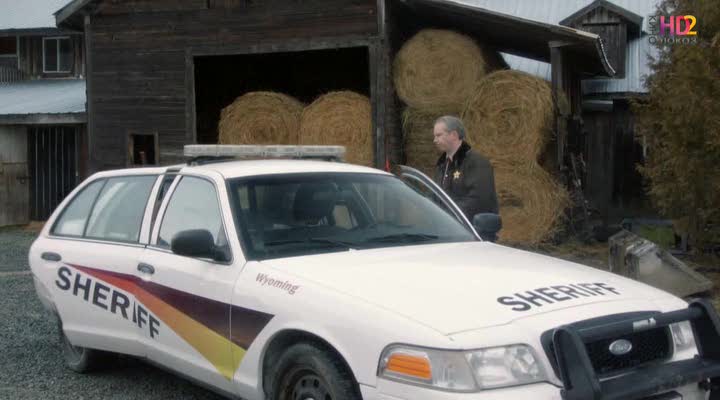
x: 90, y: 132
x: 557, y: 62
x: 373, y: 67
x: 190, y: 122
x: 379, y: 67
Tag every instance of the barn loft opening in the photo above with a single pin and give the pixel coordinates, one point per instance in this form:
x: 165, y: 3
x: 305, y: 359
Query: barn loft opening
x: 305, y: 75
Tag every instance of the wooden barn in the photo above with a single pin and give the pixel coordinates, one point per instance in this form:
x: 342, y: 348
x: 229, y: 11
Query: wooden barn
x: 160, y: 71
x: 42, y: 111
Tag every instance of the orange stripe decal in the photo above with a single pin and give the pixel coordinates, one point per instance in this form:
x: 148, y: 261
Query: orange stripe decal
x: 203, y: 323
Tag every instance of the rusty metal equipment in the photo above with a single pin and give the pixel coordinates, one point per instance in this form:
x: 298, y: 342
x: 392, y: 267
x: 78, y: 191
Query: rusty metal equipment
x: 640, y: 259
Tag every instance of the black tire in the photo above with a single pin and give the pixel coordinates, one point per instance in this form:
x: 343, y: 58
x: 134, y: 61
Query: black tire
x: 309, y: 371
x: 81, y: 359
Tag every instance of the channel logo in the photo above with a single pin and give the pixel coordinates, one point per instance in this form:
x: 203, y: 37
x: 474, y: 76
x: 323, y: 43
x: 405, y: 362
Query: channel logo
x: 678, y: 25
x: 672, y: 29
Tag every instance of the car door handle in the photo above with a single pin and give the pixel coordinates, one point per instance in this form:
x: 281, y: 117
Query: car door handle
x: 50, y: 256
x: 146, y: 268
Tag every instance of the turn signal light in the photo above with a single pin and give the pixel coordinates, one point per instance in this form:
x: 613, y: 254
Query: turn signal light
x: 405, y: 364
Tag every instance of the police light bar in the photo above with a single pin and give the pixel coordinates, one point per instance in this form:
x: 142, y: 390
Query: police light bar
x: 263, y: 151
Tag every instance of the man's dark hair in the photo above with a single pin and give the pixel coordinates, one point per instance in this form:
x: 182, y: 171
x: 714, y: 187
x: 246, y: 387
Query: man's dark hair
x: 453, y: 123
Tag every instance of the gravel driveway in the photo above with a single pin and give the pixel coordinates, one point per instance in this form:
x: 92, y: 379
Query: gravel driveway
x: 30, y: 361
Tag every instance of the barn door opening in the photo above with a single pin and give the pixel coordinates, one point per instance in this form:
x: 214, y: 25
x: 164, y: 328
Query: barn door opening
x: 304, y: 75
x: 53, y: 165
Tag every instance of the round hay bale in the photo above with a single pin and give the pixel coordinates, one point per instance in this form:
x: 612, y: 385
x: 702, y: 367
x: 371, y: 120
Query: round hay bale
x: 532, y: 204
x: 261, y: 118
x: 509, y: 117
x: 437, y: 69
x: 340, y: 118
x: 420, y: 151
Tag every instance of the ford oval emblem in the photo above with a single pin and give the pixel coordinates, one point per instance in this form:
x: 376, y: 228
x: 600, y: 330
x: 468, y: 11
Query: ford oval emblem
x: 620, y: 347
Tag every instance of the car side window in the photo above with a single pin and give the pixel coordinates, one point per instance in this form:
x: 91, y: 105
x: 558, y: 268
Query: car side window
x: 119, y: 209
x: 193, y: 205
x: 73, y: 218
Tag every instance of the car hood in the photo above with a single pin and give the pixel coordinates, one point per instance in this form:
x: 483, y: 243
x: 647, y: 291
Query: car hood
x: 457, y: 287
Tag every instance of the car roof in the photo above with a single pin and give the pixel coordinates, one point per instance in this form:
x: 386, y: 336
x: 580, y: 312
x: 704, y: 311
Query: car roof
x: 235, y: 169
x: 243, y: 168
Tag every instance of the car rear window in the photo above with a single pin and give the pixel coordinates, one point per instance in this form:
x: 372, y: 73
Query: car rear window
x: 107, y: 209
x: 73, y: 218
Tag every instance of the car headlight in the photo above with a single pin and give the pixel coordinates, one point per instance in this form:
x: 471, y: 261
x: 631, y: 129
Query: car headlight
x: 506, y: 366
x: 462, y: 371
x: 684, y: 339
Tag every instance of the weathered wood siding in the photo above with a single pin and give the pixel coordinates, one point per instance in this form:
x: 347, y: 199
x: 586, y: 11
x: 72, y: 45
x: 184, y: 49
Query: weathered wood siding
x: 612, y: 155
x: 614, y: 33
x: 628, y: 185
x: 140, y: 58
x: 600, y: 144
x: 13, y: 176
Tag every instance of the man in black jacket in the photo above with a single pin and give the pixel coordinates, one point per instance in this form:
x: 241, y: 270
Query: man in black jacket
x: 463, y: 173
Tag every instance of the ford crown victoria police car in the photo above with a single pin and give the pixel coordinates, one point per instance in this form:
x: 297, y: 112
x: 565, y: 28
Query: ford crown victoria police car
x: 293, y: 279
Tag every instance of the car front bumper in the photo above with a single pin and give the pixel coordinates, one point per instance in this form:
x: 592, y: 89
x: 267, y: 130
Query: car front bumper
x: 390, y: 390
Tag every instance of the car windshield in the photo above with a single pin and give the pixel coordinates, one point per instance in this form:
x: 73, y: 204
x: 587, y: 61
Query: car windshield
x: 300, y: 214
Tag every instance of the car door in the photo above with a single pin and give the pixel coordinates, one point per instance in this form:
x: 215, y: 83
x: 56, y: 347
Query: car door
x: 192, y: 296
x: 89, y: 258
x: 428, y: 188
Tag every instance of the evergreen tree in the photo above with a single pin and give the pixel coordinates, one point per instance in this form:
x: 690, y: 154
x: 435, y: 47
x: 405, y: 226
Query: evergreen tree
x: 680, y: 121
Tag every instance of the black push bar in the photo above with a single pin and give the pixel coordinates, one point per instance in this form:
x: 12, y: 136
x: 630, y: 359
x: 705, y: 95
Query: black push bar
x: 582, y: 383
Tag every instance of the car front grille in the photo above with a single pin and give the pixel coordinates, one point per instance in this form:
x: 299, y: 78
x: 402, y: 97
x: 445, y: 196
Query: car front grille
x: 647, y: 346
x: 654, y: 345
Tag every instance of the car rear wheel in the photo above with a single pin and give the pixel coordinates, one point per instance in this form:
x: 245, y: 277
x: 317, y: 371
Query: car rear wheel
x: 309, y: 372
x: 80, y: 359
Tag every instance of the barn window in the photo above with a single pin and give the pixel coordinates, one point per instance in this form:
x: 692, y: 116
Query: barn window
x: 57, y: 55
x: 142, y: 149
x: 8, y: 46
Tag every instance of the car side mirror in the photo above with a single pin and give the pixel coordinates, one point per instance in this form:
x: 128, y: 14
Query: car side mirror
x: 197, y: 243
x: 487, y: 225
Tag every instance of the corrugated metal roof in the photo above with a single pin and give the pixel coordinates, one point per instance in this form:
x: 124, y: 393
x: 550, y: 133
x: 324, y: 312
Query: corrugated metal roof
x: 27, y: 14
x: 57, y: 96
x: 553, y: 11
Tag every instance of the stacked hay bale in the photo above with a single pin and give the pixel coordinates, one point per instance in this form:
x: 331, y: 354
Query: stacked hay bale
x: 437, y: 68
x: 532, y: 203
x: 261, y: 118
x: 509, y: 119
x: 510, y: 110
x: 508, y: 116
x: 434, y: 74
x: 336, y: 118
x: 340, y: 118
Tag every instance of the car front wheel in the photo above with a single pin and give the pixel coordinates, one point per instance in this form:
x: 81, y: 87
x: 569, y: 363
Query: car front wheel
x: 309, y: 372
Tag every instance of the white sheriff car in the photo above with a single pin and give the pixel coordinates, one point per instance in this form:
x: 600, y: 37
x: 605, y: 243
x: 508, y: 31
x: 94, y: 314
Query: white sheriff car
x: 317, y: 280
